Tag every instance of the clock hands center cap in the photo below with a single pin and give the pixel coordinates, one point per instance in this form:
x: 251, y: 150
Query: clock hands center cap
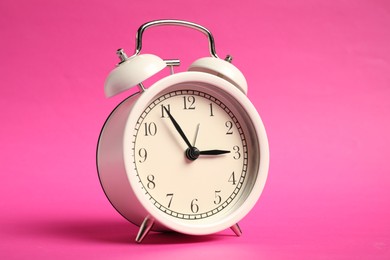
x: 192, y: 153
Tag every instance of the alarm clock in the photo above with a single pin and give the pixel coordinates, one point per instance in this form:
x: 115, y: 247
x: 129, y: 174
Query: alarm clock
x: 188, y: 153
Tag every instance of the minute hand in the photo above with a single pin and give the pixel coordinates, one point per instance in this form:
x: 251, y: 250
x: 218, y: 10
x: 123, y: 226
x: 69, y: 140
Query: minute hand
x: 178, y: 128
x: 213, y: 152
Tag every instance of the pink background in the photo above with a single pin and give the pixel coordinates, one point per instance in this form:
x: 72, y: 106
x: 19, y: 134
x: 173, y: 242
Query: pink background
x: 318, y: 73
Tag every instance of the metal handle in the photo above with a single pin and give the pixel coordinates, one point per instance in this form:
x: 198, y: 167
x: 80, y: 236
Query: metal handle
x: 176, y: 23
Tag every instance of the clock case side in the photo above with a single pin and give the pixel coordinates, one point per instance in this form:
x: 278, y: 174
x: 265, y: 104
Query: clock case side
x: 111, y: 167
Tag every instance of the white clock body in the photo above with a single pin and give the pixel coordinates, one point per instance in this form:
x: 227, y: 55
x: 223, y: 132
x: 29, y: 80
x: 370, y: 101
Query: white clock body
x: 142, y: 161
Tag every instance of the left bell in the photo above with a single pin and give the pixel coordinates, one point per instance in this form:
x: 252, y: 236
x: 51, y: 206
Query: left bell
x: 132, y: 71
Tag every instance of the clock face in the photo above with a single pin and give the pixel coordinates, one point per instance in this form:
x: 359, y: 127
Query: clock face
x: 192, y: 153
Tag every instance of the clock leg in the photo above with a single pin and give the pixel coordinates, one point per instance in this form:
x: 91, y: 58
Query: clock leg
x: 144, y: 229
x: 236, y: 229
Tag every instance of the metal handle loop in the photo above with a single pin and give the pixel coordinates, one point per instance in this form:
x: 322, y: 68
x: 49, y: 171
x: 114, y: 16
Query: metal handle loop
x: 177, y: 23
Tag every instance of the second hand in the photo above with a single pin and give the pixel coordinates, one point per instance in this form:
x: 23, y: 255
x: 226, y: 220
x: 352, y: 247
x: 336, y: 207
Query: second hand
x: 196, y: 134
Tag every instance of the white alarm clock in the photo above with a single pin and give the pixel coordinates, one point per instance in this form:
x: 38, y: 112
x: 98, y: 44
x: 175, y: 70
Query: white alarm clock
x: 187, y: 154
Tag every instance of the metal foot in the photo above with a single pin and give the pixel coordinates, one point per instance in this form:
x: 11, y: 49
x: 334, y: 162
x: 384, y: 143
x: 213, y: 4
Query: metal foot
x: 144, y: 229
x: 236, y: 229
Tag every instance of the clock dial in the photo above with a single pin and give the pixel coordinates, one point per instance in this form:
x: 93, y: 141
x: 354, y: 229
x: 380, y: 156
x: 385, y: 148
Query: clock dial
x: 190, y: 153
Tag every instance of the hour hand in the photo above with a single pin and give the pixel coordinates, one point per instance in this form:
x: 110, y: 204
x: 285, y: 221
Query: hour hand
x: 193, y: 153
x: 213, y: 152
